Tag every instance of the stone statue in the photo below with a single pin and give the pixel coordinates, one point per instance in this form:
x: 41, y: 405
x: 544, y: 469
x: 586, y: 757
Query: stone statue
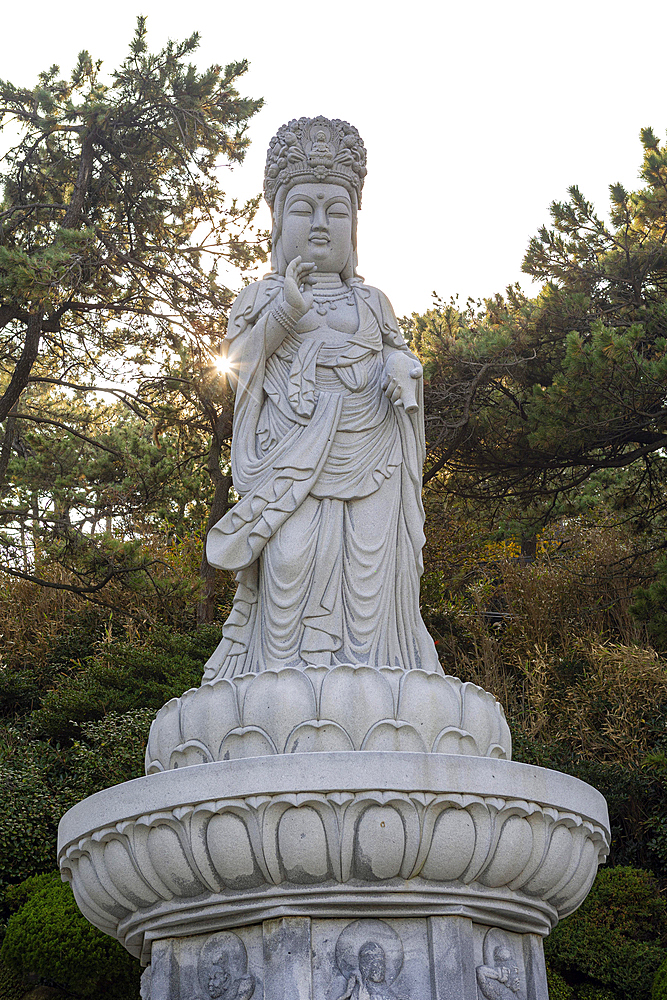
x: 328, y: 440
x: 342, y: 830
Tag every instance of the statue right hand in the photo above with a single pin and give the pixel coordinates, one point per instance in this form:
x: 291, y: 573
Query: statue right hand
x: 297, y: 290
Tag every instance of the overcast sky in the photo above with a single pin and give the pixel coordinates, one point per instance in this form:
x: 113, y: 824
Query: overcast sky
x: 476, y: 115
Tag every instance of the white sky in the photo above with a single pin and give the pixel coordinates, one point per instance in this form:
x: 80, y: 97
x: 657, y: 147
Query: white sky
x: 475, y: 115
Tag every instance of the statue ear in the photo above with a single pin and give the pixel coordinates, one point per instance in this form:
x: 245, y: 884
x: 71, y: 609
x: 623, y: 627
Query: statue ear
x: 278, y: 262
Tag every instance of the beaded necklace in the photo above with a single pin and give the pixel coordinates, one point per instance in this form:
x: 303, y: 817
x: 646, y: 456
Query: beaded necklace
x: 328, y: 298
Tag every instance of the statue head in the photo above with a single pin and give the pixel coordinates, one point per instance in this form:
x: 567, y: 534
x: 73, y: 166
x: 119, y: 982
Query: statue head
x: 315, y: 170
x: 220, y: 978
x: 372, y: 962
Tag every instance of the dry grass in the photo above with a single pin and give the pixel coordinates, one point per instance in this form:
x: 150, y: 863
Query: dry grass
x: 33, y: 616
x: 554, y: 641
x: 608, y: 709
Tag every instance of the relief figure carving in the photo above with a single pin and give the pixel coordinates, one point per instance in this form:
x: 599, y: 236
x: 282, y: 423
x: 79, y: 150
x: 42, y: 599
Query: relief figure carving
x: 369, y: 954
x: 223, y: 968
x: 499, y: 978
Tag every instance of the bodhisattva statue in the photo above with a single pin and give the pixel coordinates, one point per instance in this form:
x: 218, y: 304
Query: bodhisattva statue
x: 328, y: 440
x: 279, y: 799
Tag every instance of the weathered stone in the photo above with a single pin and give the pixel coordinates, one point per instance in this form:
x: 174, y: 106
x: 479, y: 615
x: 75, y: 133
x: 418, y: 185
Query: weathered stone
x: 397, y: 958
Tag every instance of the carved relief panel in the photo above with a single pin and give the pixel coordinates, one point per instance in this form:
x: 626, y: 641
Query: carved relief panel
x: 296, y: 958
x: 508, y: 966
x: 499, y: 977
x: 226, y: 965
x: 370, y: 959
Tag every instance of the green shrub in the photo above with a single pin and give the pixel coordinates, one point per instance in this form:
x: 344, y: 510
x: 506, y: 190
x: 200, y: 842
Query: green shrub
x: 659, y: 991
x: 11, y: 986
x: 39, y: 782
x: 93, y: 731
x: 33, y: 797
x: 110, y: 751
x: 631, y: 790
x: 558, y: 988
x: 124, y: 676
x: 617, y: 938
x: 35, y: 660
x: 591, y: 992
x: 48, y: 939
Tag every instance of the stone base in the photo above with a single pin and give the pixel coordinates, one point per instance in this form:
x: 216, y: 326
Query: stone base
x: 298, y: 958
x: 470, y: 860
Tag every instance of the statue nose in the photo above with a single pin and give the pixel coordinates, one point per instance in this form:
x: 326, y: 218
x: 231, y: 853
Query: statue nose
x: 320, y: 222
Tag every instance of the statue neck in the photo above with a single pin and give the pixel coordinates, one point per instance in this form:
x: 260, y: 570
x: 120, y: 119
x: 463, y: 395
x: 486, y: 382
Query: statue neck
x: 326, y: 279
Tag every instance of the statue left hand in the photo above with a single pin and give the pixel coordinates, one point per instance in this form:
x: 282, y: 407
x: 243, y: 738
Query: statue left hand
x: 398, y: 381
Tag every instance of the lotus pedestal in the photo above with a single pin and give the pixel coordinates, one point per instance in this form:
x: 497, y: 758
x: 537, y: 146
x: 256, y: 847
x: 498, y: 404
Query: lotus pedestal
x: 349, y: 874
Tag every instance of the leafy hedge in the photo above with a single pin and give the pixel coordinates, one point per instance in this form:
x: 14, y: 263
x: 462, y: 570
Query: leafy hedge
x: 48, y: 939
x: 659, y: 991
x: 558, y: 988
x: 616, y: 940
x: 39, y: 782
x: 11, y: 985
x: 32, y: 800
x: 123, y: 676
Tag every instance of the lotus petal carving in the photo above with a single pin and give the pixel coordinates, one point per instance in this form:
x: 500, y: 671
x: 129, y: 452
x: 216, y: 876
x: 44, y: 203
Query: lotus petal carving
x: 523, y: 862
x: 327, y: 709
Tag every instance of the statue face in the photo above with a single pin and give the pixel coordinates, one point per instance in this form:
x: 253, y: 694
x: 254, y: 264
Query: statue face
x: 372, y: 963
x: 220, y: 979
x: 317, y: 225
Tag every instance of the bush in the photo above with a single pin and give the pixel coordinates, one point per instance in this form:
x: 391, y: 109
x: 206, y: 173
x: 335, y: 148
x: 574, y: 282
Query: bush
x: 110, y: 751
x: 33, y: 661
x: 39, y: 782
x: 659, y: 991
x: 599, y: 712
x: 11, y: 987
x: 49, y: 939
x: 591, y: 992
x: 558, y: 988
x: 31, y: 804
x: 124, y: 676
x: 617, y: 938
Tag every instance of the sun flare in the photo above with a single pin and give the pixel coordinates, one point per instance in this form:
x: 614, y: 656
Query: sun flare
x: 221, y: 364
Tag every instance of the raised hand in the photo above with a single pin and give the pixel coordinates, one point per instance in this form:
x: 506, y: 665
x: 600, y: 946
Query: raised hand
x: 297, y: 289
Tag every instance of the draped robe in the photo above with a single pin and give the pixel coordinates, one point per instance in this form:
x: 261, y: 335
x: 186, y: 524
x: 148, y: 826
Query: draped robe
x: 327, y: 537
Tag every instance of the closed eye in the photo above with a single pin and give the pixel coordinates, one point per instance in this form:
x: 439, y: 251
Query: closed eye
x: 300, y: 208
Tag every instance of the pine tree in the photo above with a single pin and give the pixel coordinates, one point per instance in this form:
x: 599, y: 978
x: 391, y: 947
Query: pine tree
x: 532, y: 398
x: 113, y: 226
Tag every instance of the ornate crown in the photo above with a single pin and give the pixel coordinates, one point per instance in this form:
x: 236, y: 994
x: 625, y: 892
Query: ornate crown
x: 315, y: 149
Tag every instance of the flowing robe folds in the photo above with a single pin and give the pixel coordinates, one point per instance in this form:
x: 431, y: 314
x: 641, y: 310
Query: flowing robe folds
x: 327, y: 537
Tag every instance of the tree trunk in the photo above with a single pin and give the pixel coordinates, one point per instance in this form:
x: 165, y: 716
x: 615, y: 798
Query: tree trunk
x: 21, y: 373
x: 528, y: 550
x: 75, y: 207
x: 8, y: 441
